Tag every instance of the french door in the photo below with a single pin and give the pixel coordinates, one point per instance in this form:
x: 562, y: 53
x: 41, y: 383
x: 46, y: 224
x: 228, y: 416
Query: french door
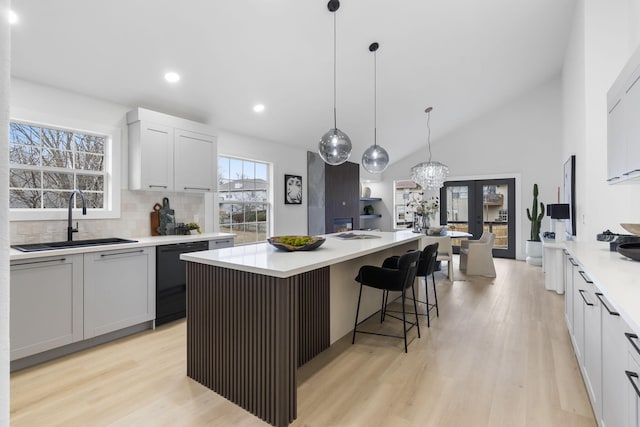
x: 479, y: 206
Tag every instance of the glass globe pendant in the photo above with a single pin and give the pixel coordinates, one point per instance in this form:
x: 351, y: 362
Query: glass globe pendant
x: 375, y: 159
x: 334, y: 146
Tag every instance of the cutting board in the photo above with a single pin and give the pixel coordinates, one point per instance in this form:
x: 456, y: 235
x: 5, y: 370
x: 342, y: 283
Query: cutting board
x: 167, y: 218
x: 155, y: 220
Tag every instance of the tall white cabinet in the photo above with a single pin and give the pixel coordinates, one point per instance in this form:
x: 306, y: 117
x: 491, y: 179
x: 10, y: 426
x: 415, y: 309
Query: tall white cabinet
x: 168, y: 153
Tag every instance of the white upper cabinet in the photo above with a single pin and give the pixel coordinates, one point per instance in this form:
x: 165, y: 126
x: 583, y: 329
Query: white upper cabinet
x: 168, y: 153
x: 623, y: 124
x: 194, y: 161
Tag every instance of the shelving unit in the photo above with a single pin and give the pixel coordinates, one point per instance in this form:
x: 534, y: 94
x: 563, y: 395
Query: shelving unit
x: 368, y: 216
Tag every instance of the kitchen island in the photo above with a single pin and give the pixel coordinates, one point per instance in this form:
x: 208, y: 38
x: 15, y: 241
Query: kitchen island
x: 255, y: 314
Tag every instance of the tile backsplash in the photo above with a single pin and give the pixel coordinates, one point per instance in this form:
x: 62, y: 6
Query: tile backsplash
x: 134, y: 221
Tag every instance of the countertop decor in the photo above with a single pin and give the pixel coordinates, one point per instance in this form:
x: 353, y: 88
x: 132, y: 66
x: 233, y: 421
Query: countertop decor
x: 296, y: 243
x: 630, y: 250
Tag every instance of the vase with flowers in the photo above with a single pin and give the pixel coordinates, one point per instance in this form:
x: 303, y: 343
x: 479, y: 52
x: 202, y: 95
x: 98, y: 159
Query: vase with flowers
x: 425, y: 210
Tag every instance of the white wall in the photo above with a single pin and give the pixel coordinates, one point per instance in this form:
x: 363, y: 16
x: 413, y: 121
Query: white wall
x: 5, y: 72
x: 288, y: 219
x: 516, y: 140
x: 136, y: 205
x: 604, y: 34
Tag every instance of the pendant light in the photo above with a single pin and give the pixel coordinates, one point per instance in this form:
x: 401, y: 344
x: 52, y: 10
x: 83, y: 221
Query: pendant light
x: 430, y: 175
x: 334, y: 146
x: 375, y: 158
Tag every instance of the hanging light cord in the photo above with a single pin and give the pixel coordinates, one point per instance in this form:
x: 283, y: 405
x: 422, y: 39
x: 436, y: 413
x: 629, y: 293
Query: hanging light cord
x: 428, y: 111
x: 375, y: 98
x: 335, y: 121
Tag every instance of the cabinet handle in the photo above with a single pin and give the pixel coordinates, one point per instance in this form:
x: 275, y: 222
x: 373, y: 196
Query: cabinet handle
x: 584, y: 276
x: 613, y: 178
x: 582, y: 291
x: 220, y: 242
x: 139, y: 251
x: 630, y: 172
x: 616, y: 104
x: 613, y: 313
x: 631, y: 337
x: 157, y: 186
x: 631, y: 376
x: 40, y: 262
x: 197, y: 188
x: 632, y: 84
x: 573, y: 262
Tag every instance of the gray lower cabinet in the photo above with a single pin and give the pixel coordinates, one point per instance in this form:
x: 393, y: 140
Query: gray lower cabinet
x: 119, y: 289
x: 46, y: 304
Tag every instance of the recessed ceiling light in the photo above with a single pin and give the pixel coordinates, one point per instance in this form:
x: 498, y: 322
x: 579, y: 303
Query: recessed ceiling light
x: 258, y: 108
x: 172, y: 77
x: 13, y: 17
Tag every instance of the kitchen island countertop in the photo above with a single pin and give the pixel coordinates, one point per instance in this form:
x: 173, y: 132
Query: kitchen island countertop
x: 262, y: 258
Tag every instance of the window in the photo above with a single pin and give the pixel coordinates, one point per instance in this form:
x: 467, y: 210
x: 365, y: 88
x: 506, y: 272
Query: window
x: 244, y: 190
x: 47, y: 162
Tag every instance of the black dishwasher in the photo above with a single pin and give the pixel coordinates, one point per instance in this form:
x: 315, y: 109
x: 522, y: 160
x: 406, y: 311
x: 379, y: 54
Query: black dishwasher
x: 171, y: 280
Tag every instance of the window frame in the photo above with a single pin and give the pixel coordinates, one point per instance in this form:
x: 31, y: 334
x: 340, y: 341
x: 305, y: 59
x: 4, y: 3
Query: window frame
x: 268, y: 202
x: 112, y: 153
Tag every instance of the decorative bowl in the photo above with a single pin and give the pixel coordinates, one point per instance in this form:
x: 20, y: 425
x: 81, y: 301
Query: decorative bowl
x: 630, y: 250
x: 435, y: 231
x: 632, y: 228
x: 278, y: 242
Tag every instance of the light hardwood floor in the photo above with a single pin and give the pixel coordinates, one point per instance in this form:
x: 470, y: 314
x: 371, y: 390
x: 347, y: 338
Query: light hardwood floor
x: 498, y: 355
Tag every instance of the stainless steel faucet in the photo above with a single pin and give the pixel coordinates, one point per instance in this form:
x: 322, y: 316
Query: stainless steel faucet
x: 70, y: 229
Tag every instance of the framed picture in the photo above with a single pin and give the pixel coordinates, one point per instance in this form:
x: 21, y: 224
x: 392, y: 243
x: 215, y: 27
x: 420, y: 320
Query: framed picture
x: 570, y: 193
x: 292, y: 190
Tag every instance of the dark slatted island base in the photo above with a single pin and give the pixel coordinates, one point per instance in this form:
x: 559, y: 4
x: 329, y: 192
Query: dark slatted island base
x: 255, y: 314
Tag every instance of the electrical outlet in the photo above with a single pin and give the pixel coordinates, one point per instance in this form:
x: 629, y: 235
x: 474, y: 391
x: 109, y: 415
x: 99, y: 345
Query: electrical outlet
x: 196, y: 218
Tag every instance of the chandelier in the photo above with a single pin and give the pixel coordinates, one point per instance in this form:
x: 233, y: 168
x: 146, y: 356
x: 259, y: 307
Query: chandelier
x: 429, y: 175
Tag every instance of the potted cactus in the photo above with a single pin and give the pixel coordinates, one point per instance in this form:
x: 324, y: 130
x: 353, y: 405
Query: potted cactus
x: 533, y: 245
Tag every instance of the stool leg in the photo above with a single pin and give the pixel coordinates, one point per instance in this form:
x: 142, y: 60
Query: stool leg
x: 404, y: 322
x: 415, y: 309
x: 383, y: 307
x: 353, y: 340
x: 435, y: 295
x: 426, y: 298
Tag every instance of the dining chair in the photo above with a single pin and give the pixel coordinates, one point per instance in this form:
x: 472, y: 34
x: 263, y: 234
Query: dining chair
x: 445, y: 251
x: 476, y: 258
x: 398, y: 279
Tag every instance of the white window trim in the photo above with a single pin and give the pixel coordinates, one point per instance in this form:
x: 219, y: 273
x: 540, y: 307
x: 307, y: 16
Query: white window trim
x: 212, y: 201
x: 112, y: 166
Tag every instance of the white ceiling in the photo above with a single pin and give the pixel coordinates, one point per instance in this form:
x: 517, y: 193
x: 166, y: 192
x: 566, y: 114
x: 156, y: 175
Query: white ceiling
x: 463, y: 57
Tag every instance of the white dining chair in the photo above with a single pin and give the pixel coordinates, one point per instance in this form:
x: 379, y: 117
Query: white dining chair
x: 445, y: 251
x: 476, y: 257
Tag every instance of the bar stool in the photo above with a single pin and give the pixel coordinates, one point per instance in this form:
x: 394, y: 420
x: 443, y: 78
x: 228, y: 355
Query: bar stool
x: 426, y: 268
x: 397, y: 279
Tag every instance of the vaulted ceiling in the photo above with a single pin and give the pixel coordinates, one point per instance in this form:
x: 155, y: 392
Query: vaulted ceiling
x: 463, y: 57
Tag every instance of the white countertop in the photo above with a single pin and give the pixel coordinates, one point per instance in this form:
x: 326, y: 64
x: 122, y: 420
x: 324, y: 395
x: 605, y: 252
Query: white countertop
x: 617, y: 277
x: 262, y: 258
x: 15, y: 254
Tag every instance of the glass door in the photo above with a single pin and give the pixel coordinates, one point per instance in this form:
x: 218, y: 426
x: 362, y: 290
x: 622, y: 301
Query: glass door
x: 479, y: 206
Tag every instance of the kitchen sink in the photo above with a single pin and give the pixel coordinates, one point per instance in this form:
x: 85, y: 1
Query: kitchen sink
x: 33, y: 247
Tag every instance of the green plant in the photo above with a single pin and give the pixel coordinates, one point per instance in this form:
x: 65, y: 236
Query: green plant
x: 534, y: 216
